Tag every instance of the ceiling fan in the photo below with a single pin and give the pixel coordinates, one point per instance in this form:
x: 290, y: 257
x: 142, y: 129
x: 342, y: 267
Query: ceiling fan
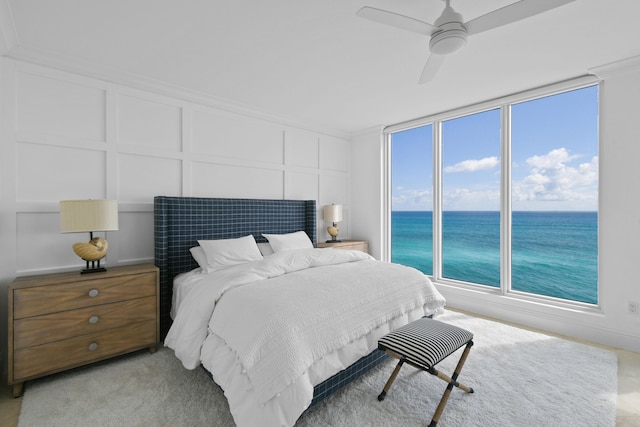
x: 449, y: 33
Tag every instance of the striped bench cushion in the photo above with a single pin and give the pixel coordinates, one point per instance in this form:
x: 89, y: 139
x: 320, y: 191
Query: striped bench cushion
x: 425, y: 342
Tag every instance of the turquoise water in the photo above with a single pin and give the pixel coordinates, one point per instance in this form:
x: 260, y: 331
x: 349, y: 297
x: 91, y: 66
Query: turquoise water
x: 553, y: 253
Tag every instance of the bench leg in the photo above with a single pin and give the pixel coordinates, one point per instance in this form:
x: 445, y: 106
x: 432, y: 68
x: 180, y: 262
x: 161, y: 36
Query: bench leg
x: 452, y: 382
x: 390, y: 381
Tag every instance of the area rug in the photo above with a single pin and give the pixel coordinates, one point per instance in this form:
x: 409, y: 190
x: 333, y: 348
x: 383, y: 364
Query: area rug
x: 520, y: 378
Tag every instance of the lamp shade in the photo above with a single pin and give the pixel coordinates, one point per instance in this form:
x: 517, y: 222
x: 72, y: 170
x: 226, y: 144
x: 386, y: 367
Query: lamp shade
x: 88, y: 215
x: 332, y: 213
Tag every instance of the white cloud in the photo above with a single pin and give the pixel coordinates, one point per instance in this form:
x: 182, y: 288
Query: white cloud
x: 412, y: 200
x: 473, y: 165
x: 467, y: 199
x: 553, y: 159
x: 555, y: 177
x: 552, y: 178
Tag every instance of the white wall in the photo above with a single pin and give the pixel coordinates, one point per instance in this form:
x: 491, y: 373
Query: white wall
x: 367, y: 186
x: 64, y: 136
x: 619, y: 227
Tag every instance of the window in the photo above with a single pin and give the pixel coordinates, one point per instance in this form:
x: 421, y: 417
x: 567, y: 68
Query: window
x: 503, y: 196
x: 412, y: 198
x: 471, y: 198
x: 554, y: 168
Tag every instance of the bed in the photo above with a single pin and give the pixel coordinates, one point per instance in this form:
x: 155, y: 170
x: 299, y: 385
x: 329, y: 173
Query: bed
x: 254, y: 393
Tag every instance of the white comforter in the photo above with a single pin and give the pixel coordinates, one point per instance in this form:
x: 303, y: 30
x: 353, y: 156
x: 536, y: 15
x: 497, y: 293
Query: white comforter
x: 270, y: 330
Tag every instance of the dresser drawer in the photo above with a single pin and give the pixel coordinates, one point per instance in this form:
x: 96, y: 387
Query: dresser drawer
x: 33, y: 361
x: 37, y: 330
x: 34, y: 301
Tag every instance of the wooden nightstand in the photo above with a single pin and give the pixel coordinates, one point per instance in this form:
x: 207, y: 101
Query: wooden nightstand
x: 61, y: 321
x: 358, y: 245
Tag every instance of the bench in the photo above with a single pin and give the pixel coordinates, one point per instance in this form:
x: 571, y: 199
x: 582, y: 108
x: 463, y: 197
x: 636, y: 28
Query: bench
x: 423, y: 344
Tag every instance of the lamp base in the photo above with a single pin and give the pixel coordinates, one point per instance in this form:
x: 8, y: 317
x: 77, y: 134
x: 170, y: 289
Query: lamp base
x: 333, y: 241
x: 93, y: 267
x: 93, y: 270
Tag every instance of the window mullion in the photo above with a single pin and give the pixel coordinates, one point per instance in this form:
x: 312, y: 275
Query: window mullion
x: 505, y: 202
x: 437, y: 200
x: 386, y: 254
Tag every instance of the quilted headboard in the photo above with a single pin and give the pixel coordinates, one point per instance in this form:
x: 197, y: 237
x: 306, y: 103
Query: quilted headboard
x: 179, y: 222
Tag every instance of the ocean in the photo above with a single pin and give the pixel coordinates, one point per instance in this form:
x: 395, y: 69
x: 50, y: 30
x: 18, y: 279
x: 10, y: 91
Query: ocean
x: 553, y: 253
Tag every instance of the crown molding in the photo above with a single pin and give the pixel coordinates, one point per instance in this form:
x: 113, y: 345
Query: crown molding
x: 377, y: 130
x: 617, y: 68
x: 84, y: 68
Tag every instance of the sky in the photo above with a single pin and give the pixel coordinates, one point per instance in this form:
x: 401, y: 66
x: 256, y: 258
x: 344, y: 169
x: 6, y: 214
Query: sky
x: 554, y: 158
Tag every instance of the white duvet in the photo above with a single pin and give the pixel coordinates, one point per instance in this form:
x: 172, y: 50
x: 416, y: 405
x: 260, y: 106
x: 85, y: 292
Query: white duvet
x: 270, y: 330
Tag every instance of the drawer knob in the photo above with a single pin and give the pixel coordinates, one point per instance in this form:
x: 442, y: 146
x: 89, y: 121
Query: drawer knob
x: 93, y: 293
x: 93, y: 320
x: 93, y: 346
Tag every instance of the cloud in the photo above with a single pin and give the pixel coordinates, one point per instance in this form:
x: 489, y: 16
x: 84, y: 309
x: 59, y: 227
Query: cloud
x: 552, y: 178
x: 552, y: 160
x: 411, y: 200
x: 556, y: 177
x: 472, y: 199
x: 473, y: 165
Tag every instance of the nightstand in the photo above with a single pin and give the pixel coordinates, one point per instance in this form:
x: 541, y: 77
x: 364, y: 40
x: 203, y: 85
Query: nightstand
x: 62, y: 321
x: 358, y: 245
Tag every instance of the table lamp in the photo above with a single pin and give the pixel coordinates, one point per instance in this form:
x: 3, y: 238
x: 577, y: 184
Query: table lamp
x: 333, y: 214
x: 78, y: 216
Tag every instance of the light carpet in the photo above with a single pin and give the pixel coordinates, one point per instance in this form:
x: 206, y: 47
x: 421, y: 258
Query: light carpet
x: 520, y: 378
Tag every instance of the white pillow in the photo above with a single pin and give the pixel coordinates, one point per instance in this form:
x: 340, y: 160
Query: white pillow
x: 198, y: 254
x: 283, y: 242
x: 225, y: 253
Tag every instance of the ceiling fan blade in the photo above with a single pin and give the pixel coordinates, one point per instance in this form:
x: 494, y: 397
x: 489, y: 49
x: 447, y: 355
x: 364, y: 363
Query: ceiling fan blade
x: 396, y: 20
x: 511, y: 13
x: 431, y: 68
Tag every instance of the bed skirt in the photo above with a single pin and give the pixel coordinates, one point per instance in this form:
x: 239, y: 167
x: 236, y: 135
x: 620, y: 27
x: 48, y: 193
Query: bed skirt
x: 344, y: 377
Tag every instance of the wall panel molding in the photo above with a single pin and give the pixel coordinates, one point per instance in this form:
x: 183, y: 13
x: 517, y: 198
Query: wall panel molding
x: 134, y: 81
x: 83, y: 137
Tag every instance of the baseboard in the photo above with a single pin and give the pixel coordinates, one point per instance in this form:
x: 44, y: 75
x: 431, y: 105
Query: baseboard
x: 592, y: 326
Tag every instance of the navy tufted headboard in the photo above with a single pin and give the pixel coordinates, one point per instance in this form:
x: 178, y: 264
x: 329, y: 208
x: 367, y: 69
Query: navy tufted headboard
x: 179, y: 222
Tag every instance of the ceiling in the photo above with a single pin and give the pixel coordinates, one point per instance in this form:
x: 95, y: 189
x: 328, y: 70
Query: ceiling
x: 315, y: 62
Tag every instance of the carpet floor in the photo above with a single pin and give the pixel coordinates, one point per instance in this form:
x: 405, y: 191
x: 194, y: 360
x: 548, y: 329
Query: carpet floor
x: 520, y: 378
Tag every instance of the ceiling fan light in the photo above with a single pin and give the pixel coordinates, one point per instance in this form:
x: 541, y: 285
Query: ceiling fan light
x: 447, y: 41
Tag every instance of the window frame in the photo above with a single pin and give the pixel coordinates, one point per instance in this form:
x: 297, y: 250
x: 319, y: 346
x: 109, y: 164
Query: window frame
x: 436, y: 120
